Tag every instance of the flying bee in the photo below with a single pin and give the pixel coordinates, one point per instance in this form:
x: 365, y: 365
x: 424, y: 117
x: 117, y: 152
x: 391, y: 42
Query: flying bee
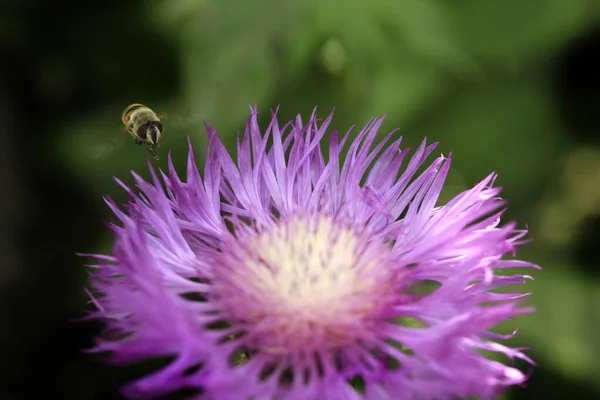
x: 144, y: 125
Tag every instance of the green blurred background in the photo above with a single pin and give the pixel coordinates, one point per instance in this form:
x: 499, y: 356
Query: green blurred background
x: 507, y: 86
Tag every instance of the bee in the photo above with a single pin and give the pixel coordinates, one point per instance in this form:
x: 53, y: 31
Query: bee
x: 144, y: 125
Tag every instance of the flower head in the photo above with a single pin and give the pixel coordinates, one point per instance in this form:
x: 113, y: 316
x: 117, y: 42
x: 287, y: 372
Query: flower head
x: 298, y: 275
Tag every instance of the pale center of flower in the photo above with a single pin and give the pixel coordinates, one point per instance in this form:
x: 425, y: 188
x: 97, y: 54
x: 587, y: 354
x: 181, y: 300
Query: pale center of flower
x: 306, y: 284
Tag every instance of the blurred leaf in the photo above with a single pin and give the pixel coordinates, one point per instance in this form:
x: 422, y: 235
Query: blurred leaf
x: 506, y: 126
x: 402, y: 87
x: 508, y: 31
x: 170, y: 13
x: 400, y: 53
x: 427, y: 28
x: 229, y: 59
x: 424, y: 27
x: 395, y: 53
x: 562, y: 330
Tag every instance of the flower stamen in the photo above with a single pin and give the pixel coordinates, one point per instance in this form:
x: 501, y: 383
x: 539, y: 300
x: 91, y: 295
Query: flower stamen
x: 307, y: 283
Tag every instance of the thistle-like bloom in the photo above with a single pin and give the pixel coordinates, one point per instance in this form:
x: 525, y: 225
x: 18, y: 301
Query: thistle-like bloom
x: 298, y: 275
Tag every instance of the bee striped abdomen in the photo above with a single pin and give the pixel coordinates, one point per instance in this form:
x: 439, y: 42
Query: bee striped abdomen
x: 126, y: 116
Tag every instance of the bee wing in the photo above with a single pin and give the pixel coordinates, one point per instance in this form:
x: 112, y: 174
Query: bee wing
x: 181, y: 115
x: 105, y: 148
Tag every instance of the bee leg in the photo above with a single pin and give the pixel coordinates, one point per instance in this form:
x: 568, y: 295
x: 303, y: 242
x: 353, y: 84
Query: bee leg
x: 139, y: 142
x: 152, y: 151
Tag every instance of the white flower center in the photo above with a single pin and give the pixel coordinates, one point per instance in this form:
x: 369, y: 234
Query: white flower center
x: 306, y: 284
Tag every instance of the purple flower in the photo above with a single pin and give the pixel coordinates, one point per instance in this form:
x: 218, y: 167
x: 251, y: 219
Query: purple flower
x: 298, y: 275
